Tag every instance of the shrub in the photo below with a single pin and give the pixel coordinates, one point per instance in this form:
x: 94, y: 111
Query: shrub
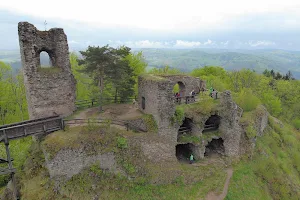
x: 150, y: 123
x: 122, y: 143
x: 250, y: 131
x: 178, y: 116
x: 296, y: 123
x: 247, y: 100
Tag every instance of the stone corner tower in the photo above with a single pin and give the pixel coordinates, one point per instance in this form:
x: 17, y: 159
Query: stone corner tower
x: 48, y: 91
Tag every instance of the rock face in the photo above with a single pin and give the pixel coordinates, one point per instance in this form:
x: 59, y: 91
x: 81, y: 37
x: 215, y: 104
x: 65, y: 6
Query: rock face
x: 50, y: 91
x: 70, y: 162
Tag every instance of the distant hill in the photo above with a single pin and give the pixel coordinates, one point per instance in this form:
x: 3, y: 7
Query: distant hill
x: 259, y: 60
x: 188, y: 59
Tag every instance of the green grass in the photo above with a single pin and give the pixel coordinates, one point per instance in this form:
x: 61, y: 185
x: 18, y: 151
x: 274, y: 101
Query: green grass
x: 93, y: 181
x: 95, y: 138
x: 19, y: 152
x: 210, y: 135
x: 189, y: 139
x: 273, y: 172
x: 246, y: 185
x: 173, y: 180
x: 205, y: 107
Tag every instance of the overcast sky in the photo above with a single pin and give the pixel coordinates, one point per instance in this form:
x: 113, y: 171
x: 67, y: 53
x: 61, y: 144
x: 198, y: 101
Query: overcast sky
x: 249, y: 24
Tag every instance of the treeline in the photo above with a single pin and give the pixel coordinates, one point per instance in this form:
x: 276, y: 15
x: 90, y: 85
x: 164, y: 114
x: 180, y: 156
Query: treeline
x: 250, y: 89
x: 13, y: 106
x: 277, y: 75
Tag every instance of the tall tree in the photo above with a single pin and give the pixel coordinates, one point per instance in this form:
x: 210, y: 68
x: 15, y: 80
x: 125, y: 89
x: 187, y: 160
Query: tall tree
x: 96, y: 60
x: 121, y: 74
x: 138, y: 64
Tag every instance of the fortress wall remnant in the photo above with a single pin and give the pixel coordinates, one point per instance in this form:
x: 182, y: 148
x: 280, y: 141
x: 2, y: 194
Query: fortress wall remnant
x: 50, y: 91
x: 190, y: 83
x: 157, y: 93
x: 155, y: 97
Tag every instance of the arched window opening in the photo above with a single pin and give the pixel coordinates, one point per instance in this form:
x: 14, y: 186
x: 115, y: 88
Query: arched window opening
x: 179, y: 92
x: 212, y: 123
x: 179, y: 88
x: 214, y: 147
x: 45, y: 60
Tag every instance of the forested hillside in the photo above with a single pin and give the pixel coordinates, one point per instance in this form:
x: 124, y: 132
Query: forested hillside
x: 272, y: 170
x: 188, y: 59
x: 259, y: 60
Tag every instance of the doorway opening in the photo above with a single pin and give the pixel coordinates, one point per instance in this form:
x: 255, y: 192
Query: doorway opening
x: 184, y: 151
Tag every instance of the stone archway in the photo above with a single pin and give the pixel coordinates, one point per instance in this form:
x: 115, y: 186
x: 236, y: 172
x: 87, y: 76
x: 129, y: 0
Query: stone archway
x: 179, y: 88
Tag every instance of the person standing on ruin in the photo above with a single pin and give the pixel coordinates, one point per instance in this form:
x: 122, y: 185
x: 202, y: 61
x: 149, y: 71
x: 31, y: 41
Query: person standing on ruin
x: 210, y: 91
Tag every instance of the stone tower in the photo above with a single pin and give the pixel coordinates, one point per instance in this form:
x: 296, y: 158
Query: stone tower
x: 49, y: 91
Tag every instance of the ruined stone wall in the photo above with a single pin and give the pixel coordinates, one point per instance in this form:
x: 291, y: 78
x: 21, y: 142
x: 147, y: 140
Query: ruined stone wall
x: 159, y: 102
x: 148, y: 89
x: 50, y: 91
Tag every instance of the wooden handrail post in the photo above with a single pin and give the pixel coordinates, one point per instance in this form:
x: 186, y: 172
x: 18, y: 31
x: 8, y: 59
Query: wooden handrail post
x: 10, y: 166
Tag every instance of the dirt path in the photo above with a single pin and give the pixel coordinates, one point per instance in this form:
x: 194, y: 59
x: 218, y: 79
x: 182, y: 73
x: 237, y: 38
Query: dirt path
x: 213, y: 196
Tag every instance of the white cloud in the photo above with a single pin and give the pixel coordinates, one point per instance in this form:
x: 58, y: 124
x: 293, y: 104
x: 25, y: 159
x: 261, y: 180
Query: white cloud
x: 138, y: 44
x: 261, y: 43
x: 224, y: 43
x: 153, y: 15
x: 209, y: 42
x: 182, y: 43
x: 163, y: 44
x: 73, y: 42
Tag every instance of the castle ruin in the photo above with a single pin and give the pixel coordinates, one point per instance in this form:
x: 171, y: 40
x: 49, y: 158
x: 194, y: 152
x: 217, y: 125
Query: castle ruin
x: 217, y: 131
x: 49, y: 91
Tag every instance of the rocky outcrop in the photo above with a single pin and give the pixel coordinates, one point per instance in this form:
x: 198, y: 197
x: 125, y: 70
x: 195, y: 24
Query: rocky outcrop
x: 68, y: 162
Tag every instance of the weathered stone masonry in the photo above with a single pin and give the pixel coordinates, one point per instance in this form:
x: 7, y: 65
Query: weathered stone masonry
x: 156, y: 98
x: 47, y: 92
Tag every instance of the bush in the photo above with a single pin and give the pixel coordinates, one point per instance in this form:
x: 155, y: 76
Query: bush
x: 178, y: 116
x: 296, y: 123
x: 122, y: 143
x: 150, y: 122
x: 247, y: 100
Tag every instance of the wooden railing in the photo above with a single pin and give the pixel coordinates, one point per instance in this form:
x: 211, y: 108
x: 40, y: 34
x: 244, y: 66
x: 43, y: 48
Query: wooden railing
x: 23, y: 129
x: 83, y: 103
x: 185, y: 100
